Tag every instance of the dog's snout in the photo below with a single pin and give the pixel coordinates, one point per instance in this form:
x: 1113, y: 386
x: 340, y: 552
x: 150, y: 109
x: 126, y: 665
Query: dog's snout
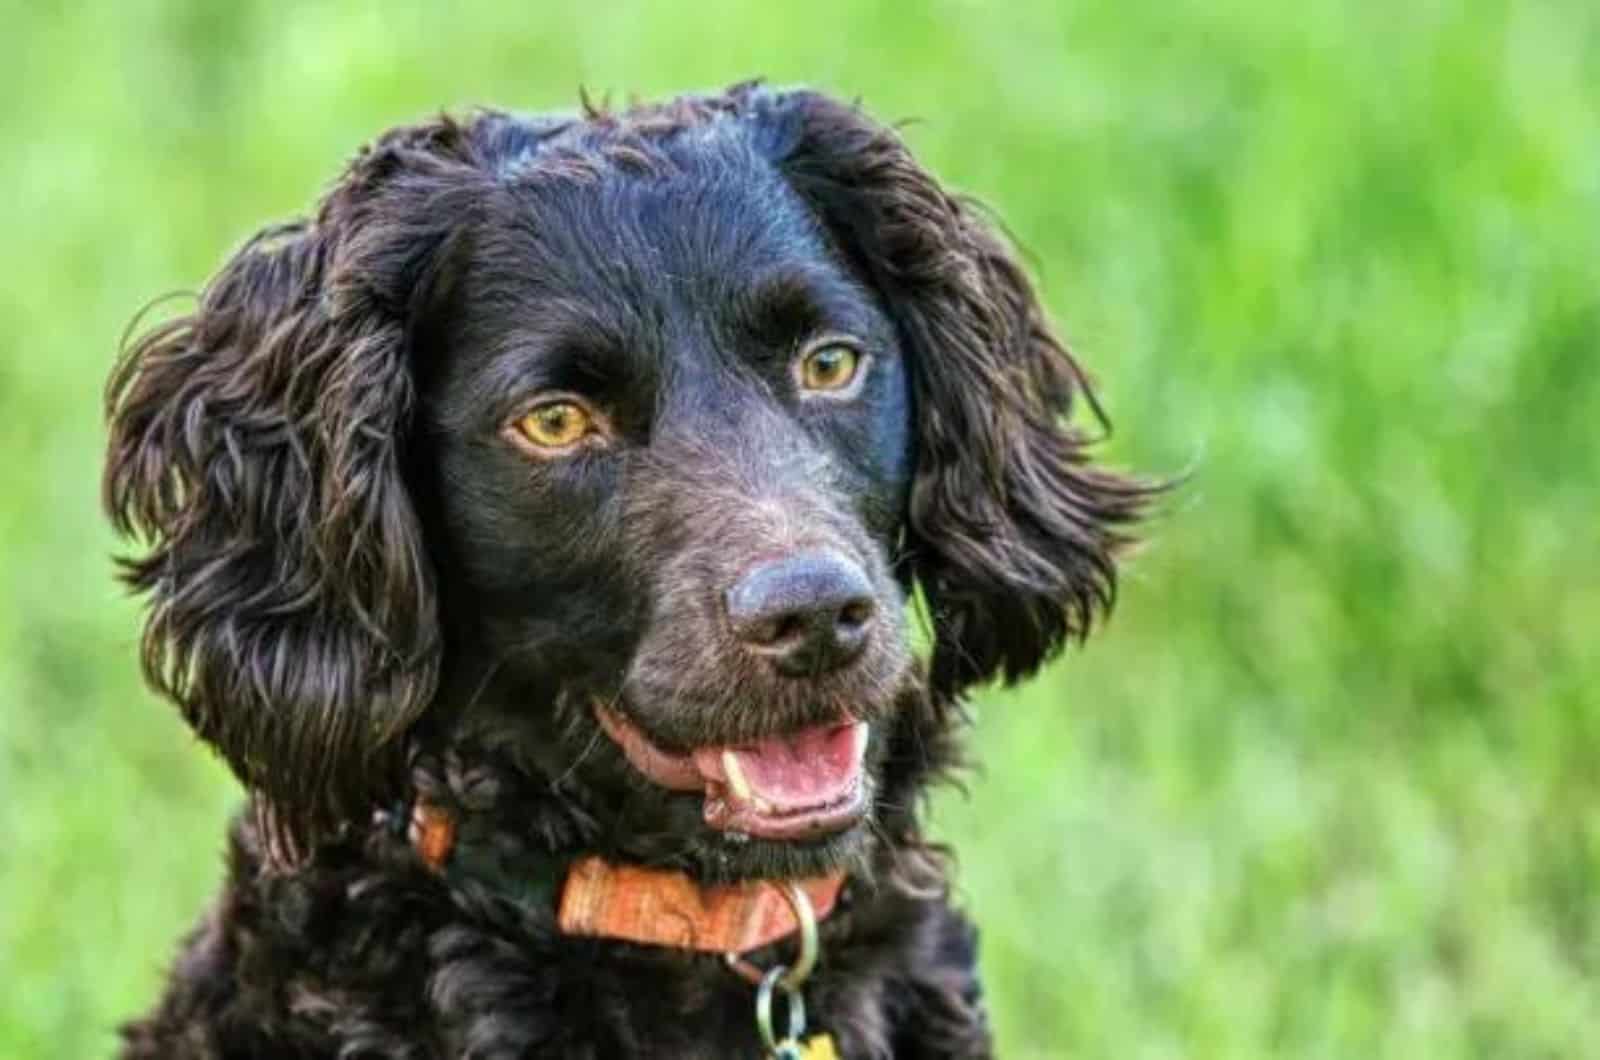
x: 810, y: 612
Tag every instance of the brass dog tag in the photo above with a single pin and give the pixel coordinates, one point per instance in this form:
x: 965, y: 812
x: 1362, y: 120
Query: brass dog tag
x: 818, y: 1047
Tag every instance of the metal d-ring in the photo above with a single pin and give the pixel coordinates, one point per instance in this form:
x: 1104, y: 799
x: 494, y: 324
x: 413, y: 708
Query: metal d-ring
x: 797, y: 973
x: 795, y: 1013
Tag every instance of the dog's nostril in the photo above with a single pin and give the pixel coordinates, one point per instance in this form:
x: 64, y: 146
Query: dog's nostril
x: 809, y: 612
x: 856, y: 613
x: 787, y: 627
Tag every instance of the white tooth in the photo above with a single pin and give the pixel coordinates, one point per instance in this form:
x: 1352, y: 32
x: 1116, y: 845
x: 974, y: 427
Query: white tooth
x: 735, y: 774
x: 863, y: 730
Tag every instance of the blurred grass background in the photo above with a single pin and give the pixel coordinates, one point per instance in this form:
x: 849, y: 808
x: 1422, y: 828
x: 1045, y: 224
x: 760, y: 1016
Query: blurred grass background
x: 1327, y: 785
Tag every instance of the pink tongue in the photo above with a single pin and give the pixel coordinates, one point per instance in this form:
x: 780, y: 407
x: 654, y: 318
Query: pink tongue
x: 809, y: 768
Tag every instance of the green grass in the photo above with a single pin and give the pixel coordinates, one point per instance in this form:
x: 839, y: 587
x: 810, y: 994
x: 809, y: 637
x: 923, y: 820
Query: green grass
x: 1326, y: 787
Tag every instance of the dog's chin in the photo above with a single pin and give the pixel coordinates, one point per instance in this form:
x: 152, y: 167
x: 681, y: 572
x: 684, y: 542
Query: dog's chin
x: 718, y: 858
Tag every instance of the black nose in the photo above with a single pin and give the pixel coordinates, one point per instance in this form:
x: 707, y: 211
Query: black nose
x: 809, y: 612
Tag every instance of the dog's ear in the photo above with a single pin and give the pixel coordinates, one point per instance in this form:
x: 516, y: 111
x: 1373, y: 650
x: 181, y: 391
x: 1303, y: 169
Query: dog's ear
x: 1012, y: 533
x: 257, y: 445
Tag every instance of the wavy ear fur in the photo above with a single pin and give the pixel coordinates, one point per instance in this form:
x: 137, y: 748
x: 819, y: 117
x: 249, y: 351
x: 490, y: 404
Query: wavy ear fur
x: 1012, y: 533
x: 256, y: 444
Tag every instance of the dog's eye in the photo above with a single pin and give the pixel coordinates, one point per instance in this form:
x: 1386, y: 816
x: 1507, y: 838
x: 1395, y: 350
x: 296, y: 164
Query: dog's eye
x: 556, y: 425
x: 830, y: 367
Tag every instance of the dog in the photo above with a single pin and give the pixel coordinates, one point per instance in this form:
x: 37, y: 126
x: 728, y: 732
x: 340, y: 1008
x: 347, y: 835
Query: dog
x: 538, y: 530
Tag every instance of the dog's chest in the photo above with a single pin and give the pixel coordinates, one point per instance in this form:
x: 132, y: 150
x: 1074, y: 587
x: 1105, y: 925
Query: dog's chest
x: 546, y: 995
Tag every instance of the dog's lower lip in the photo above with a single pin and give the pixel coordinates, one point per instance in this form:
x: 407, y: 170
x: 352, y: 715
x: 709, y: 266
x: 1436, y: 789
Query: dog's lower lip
x: 803, y: 784
x: 744, y: 820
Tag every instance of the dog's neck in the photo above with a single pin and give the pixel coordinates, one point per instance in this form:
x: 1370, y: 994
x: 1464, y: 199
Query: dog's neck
x: 633, y: 903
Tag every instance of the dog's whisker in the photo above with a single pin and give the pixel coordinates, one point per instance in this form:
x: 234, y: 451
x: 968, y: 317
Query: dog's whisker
x: 588, y: 748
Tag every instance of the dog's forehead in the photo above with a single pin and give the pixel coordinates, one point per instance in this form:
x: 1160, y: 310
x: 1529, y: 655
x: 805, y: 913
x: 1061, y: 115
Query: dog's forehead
x: 627, y: 269
x: 711, y: 224
x: 689, y: 241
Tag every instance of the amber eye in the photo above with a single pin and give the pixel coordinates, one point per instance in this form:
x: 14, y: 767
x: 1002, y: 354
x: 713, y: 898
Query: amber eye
x: 555, y: 425
x: 830, y: 367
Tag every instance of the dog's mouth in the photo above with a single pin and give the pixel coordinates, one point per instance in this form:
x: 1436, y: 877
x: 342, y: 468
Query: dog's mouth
x: 801, y: 785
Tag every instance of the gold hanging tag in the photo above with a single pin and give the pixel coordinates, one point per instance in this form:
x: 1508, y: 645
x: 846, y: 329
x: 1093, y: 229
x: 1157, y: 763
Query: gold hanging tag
x: 818, y: 1047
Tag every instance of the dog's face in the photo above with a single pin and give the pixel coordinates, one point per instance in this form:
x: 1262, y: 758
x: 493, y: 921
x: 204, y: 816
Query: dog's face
x: 617, y: 444
x: 669, y: 438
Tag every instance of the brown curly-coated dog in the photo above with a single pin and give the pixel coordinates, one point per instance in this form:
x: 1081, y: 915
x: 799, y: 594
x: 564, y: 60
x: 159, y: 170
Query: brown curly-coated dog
x: 534, y: 531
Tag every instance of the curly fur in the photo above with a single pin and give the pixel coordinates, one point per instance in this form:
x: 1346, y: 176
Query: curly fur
x: 357, y: 600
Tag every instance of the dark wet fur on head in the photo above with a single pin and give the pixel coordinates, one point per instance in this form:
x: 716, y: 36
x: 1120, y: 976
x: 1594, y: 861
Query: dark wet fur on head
x: 360, y: 594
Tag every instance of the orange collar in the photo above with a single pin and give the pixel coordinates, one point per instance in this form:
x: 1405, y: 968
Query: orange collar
x: 653, y: 907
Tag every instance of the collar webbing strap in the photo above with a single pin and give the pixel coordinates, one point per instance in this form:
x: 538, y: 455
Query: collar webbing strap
x: 652, y: 907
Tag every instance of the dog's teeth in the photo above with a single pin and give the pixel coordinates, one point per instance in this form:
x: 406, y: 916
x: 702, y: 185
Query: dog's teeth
x: 862, y: 733
x: 735, y: 774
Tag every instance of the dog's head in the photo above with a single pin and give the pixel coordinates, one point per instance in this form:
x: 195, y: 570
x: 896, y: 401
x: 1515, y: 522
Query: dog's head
x: 625, y: 440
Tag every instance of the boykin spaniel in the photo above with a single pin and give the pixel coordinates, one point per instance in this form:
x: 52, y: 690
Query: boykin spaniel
x: 536, y: 531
